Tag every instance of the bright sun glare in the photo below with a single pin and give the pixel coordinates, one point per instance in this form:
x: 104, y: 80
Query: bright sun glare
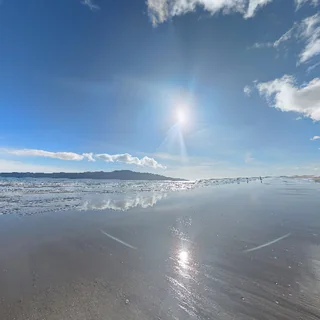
x: 183, y: 256
x: 181, y: 116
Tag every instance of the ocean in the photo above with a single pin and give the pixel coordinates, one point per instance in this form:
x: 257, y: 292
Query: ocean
x: 30, y: 196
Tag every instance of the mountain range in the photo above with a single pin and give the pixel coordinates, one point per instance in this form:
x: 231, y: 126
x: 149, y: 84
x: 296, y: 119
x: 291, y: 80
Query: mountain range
x: 114, y: 175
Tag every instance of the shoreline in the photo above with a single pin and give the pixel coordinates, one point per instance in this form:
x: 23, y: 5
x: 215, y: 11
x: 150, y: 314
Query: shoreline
x: 185, y: 257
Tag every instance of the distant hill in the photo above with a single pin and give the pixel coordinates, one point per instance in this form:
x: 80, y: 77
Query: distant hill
x: 114, y: 175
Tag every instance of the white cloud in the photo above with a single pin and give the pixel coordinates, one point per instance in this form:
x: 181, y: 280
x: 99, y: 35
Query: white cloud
x: 307, y: 31
x: 162, y: 10
x: 254, y: 5
x: 90, y: 4
x: 247, y: 90
x: 315, y: 138
x: 284, y: 95
x: 124, y: 158
x: 129, y: 159
x: 47, y: 154
x: 89, y: 156
x: 310, y: 32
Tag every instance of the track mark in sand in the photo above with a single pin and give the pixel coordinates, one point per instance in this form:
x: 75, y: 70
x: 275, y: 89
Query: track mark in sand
x: 268, y: 243
x: 118, y: 240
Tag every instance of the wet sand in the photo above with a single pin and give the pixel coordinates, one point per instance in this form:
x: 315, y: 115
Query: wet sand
x: 248, y: 251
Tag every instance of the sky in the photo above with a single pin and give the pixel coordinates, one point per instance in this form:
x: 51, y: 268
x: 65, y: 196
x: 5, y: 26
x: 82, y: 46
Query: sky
x: 184, y: 88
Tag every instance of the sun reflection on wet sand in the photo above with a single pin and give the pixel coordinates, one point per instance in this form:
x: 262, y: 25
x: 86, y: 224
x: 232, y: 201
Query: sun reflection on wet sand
x: 183, y: 258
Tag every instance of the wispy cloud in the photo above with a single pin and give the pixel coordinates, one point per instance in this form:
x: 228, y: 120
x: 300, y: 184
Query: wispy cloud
x: 285, y: 95
x: 275, y: 44
x: 260, y: 45
x: 247, y: 90
x: 248, y: 158
x: 315, y: 138
x: 310, y: 31
x: 129, y: 159
x: 47, y: 154
x: 123, y: 158
x: 285, y: 37
x: 307, y: 31
x: 162, y: 10
x: 300, y: 3
x: 311, y: 68
x: 90, y: 4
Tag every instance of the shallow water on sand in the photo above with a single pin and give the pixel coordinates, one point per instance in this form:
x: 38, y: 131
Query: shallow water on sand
x: 28, y: 196
x: 247, y: 251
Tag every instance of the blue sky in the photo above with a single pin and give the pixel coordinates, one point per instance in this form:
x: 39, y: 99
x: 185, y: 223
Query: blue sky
x: 97, y: 85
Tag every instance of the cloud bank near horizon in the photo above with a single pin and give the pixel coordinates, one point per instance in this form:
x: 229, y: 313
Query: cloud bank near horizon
x: 125, y: 158
x: 129, y: 159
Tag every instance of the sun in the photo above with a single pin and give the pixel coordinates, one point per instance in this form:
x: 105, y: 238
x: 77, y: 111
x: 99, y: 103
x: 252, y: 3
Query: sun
x: 181, y: 116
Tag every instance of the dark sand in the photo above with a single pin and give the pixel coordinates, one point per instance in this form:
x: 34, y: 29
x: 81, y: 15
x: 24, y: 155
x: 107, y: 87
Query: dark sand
x: 190, y: 261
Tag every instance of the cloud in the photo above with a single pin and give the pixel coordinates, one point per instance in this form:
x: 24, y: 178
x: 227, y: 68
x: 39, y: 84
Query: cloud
x: 162, y: 10
x: 247, y: 90
x: 123, y: 158
x: 300, y: 3
x: 47, y: 154
x: 311, y: 68
x: 89, y: 156
x: 284, y: 95
x: 129, y: 159
x: 254, y: 5
x: 307, y: 31
x: 315, y: 138
x: 248, y: 158
x: 260, y: 45
x: 285, y: 37
x: 310, y: 32
x: 90, y: 4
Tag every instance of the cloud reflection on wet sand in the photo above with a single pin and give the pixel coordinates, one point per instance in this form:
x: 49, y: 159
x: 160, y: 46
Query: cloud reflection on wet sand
x: 122, y: 202
x: 184, y: 258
